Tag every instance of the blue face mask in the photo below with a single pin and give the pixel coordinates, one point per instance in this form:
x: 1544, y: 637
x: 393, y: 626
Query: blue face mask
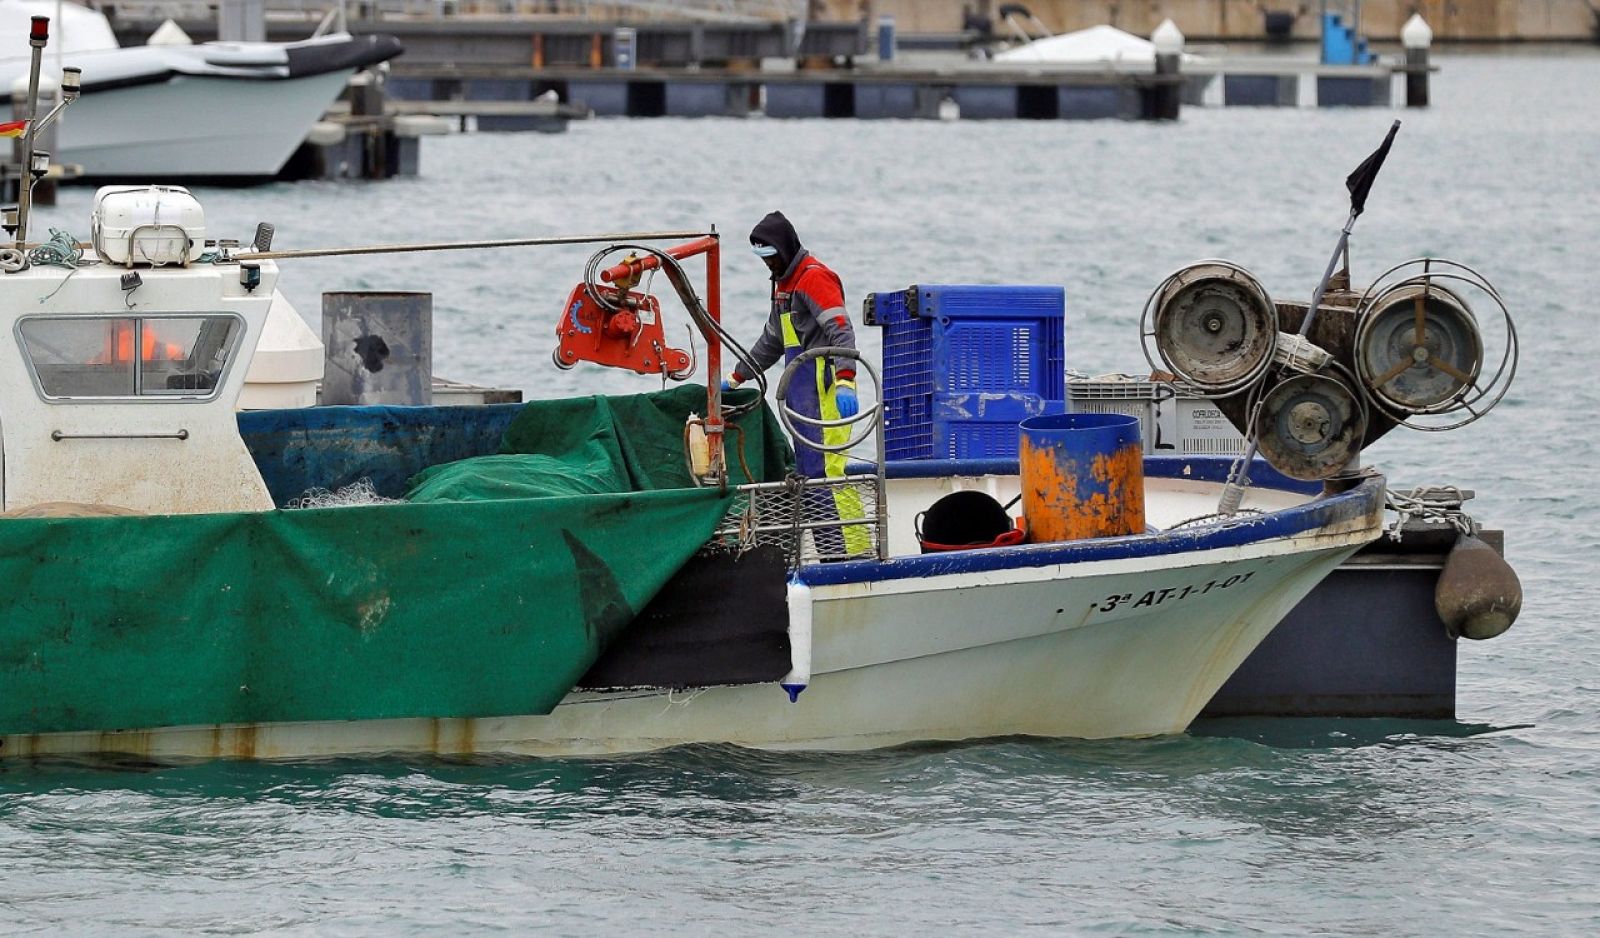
x: 763, y: 250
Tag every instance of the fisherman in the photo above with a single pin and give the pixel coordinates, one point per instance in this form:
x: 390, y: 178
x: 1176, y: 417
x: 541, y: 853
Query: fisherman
x: 808, y: 312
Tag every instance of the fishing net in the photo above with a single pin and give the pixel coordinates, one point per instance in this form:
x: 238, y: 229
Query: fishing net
x: 360, y: 492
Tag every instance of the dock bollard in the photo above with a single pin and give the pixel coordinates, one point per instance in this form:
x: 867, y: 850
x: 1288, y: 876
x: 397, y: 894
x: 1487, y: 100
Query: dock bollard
x: 366, y: 91
x: 1168, y: 42
x: 1416, y: 37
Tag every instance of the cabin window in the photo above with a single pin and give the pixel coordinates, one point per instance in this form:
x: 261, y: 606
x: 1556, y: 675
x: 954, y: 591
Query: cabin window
x: 129, y: 356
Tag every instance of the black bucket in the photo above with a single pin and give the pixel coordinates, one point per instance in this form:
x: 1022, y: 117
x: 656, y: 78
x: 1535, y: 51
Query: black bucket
x: 964, y: 520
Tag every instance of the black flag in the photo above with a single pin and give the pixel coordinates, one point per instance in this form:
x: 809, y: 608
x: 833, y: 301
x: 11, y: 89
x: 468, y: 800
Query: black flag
x: 1360, y: 182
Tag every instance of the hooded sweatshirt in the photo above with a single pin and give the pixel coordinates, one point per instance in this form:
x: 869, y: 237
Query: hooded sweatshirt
x: 809, y: 292
x: 776, y: 231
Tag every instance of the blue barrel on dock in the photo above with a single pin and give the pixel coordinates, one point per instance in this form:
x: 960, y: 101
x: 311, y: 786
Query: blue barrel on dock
x: 1082, y: 476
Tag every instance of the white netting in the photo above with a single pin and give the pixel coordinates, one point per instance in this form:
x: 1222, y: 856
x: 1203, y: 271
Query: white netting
x: 360, y: 492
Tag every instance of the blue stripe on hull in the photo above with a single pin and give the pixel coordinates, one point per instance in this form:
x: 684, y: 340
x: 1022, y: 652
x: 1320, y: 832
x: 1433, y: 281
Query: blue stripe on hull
x: 1366, y: 498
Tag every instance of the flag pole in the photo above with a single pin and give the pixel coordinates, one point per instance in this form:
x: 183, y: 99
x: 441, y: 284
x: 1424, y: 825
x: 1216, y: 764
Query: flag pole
x: 1360, y: 184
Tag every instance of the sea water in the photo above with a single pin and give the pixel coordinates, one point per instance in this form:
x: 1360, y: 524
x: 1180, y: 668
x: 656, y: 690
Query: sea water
x: 1487, y: 825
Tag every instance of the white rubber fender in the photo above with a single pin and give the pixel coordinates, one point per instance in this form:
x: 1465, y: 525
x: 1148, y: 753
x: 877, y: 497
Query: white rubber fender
x: 325, y: 134
x: 799, y: 602
x: 420, y: 125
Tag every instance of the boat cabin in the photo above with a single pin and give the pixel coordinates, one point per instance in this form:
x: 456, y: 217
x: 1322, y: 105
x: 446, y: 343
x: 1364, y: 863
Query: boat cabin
x: 123, y: 371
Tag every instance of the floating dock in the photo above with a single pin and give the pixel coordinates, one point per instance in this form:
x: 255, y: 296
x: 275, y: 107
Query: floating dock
x: 907, y: 93
x: 704, y: 69
x: 838, y: 93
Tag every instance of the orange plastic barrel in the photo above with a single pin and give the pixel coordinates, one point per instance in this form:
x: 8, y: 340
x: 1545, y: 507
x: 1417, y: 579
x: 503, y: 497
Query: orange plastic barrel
x: 1082, y: 476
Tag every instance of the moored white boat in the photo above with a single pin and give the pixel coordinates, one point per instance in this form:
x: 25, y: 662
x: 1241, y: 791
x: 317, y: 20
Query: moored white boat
x: 1104, y: 48
x: 216, y: 110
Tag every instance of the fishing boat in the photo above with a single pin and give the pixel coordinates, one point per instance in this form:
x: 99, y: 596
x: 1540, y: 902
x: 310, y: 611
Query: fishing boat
x: 608, y: 574
x: 224, y: 111
x: 529, y: 579
x: 467, y: 617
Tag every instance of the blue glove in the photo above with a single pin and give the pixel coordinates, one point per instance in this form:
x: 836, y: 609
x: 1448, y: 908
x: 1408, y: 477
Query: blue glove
x: 845, y: 397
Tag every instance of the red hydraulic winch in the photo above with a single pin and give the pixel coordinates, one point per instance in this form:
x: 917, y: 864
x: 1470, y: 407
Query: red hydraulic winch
x: 617, y: 327
x: 607, y: 322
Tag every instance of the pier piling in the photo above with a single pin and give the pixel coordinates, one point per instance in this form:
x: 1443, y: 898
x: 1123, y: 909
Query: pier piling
x: 1167, y: 96
x: 1416, y: 37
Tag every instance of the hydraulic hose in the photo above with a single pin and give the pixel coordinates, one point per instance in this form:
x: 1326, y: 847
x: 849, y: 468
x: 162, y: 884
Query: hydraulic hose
x: 710, y: 329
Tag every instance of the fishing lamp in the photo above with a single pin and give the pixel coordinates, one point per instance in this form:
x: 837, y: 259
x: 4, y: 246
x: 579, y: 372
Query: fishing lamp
x: 39, y: 163
x: 8, y: 219
x: 71, y: 80
x: 250, y: 277
x: 39, y: 34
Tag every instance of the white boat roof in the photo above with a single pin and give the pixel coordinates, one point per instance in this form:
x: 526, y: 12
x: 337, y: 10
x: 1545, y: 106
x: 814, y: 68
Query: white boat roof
x: 1097, y: 45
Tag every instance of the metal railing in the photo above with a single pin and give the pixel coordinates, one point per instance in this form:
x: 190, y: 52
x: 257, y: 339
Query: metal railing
x: 810, y: 520
x: 818, y: 520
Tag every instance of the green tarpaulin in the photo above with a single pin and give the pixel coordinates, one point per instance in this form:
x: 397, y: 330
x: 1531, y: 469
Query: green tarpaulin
x: 462, y: 606
x: 604, y: 444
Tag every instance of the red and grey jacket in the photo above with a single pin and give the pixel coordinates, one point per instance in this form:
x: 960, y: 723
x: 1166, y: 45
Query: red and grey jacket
x: 807, y: 312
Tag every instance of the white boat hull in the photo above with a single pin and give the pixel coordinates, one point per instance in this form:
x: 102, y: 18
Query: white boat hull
x: 195, y: 126
x: 1114, y: 648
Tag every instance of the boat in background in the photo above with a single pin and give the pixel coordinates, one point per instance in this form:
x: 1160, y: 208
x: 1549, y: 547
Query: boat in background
x: 1098, y: 47
x: 216, y: 111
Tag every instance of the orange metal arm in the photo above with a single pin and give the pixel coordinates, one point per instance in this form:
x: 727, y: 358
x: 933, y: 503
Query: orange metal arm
x: 711, y: 247
x: 683, y: 251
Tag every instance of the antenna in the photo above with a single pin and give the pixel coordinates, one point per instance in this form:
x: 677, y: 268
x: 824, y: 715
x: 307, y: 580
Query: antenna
x: 34, y: 165
x: 38, y: 37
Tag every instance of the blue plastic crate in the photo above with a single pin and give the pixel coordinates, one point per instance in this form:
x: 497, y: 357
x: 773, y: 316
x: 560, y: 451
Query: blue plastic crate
x: 964, y: 363
x: 885, y: 309
x: 984, y: 425
x: 907, y: 390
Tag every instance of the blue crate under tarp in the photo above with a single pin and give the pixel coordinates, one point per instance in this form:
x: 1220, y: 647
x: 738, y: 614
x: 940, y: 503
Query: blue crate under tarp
x: 963, y: 364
